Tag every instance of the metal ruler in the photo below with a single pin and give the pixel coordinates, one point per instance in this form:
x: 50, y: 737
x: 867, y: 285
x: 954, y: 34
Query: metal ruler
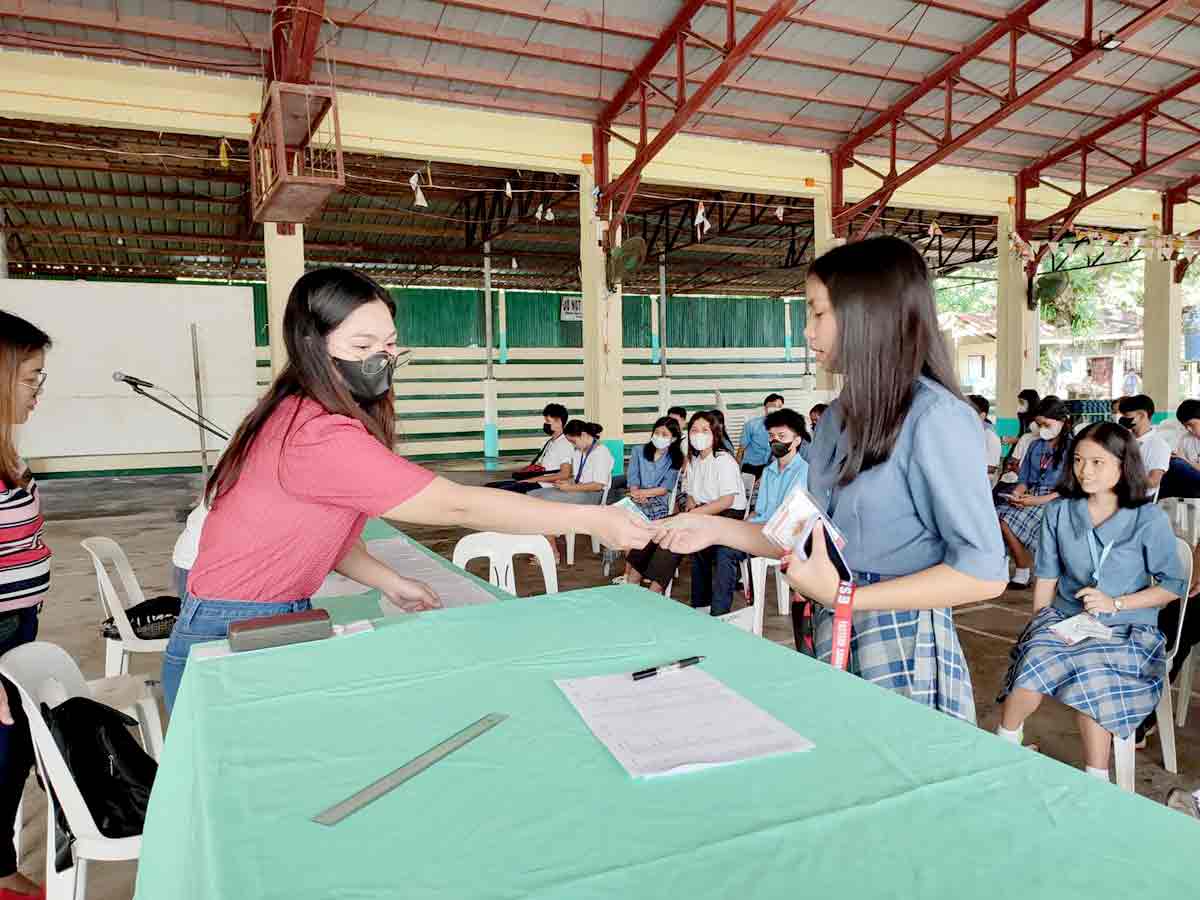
x: 413, y: 767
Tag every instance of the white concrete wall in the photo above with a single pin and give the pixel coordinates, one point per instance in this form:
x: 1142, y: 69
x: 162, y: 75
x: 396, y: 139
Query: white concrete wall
x: 85, y: 420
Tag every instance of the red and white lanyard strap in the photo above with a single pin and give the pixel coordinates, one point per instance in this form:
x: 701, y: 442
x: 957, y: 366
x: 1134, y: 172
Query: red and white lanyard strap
x: 842, y: 626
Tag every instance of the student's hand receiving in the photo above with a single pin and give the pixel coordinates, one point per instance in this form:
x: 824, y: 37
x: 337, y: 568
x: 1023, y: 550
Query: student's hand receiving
x: 816, y: 577
x: 412, y: 596
x: 688, y: 533
x: 621, y: 530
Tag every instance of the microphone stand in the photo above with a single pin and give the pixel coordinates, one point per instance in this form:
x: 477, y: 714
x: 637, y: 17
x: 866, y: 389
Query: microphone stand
x: 204, y: 424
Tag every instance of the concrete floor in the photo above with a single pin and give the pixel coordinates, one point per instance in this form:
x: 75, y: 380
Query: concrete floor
x: 144, y: 515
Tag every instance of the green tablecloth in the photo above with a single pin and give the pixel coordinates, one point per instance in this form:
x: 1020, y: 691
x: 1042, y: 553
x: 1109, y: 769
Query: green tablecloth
x: 895, y: 801
x: 343, y: 610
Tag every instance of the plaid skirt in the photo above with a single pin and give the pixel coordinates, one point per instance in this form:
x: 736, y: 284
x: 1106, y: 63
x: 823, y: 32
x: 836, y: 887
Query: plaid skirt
x: 1024, y: 521
x: 914, y: 652
x: 655, y: 507
x: 1116, y: 682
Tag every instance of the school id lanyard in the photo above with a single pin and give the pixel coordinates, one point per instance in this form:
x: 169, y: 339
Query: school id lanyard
x: 583, y: 462
x: 1099, y: 555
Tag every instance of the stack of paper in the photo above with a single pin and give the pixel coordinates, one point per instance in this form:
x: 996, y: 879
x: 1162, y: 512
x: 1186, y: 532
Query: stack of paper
x: 677, y: 722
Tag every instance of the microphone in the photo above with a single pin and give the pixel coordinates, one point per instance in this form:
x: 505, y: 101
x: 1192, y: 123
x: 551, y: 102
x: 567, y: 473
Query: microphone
x: 130, y: 380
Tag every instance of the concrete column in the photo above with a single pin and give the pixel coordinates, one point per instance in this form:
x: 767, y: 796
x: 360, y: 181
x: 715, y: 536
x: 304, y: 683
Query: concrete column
x: 824, y: 240
x: 285, y: 264
x: 1016, y: 330
x: 952, y: 348
x: 491, y: 427
x: 1162, y: 334
x: 502, y: 323
x: 603, y: 386
x: 787, y: 328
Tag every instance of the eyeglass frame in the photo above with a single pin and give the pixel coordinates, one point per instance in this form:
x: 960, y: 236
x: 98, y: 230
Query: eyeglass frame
x: 38, y: 385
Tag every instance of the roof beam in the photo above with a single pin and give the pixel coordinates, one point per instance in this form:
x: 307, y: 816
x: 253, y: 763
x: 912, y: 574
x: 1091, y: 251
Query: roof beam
x: 1085, y: 53
x: 132, y: 212
x: 736, y: 51
x: 295, y: 28
x: 123, y: 194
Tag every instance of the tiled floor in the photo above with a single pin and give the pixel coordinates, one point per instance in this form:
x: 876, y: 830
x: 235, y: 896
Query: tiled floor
x: 144, y: 515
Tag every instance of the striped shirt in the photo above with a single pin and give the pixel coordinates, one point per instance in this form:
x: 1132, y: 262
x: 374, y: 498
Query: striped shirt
x: 24, y: 556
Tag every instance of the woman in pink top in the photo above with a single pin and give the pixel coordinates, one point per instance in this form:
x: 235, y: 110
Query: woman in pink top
x: 24, y: 572
x: 313, y: 461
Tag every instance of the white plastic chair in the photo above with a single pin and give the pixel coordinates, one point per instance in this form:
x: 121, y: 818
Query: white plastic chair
x: 1164, y: 714
x: 748, y: 481
x: 1185, y: 515
x: 595, y: 540
x: 1185, y: 687
x: 116, y: 653
x: 751, y: 617
x: 44, y: 672
x: 499, y: 549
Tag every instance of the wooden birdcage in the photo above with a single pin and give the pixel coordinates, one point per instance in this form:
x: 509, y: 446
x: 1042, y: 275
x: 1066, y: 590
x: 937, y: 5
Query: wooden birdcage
x: 295, y: 153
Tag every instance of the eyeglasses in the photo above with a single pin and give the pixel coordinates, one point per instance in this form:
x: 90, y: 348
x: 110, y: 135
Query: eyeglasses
x: 36, y: 383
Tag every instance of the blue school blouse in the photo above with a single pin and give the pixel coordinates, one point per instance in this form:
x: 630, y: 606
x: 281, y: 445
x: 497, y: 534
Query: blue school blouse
x: 1133, y: 547
x: 1038, y: 468
x: 929, y: 502
x: 644, y: 473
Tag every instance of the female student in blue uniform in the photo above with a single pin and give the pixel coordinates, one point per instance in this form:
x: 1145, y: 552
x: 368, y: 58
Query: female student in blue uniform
x: 653, y: 473
x: 897, y: 465
x: 1041, y: 469
x: 1104, y: 550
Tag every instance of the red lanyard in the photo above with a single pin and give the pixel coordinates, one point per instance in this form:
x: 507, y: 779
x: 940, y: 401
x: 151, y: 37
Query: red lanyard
x: 842, y: 625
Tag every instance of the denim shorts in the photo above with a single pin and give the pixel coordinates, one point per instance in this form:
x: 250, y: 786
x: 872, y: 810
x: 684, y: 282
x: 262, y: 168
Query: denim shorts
x: 201, y: 621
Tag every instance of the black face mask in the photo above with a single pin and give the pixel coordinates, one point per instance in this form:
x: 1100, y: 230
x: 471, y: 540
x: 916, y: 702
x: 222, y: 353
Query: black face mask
x: 780, y: 449
x: 363, y: 387
x: 547, y: 429
x: 1125, y: 422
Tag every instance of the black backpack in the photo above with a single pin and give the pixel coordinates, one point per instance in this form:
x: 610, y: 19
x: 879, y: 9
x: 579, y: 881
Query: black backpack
x: 112, y: 771
x: 151, y: 619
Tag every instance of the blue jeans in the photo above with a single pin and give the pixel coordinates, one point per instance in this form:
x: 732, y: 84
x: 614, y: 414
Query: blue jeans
x: 714, y: 578
x: 201, y: 621
x: 16, y: 747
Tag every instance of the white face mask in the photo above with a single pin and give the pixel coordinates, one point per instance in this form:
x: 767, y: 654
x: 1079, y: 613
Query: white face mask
x: 1009, y: 477
x: 1033, y: 427
x: 773, y: 409
x: 1051, y: 432
x: 662, y: 443
x: 1022, y: 407
x: 702, y: 441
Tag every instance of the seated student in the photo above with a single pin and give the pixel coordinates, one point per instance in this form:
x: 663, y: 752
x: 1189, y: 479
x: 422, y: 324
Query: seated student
x: 714, y: 487
x: 1115, y: 409
x: 1041, y: 469
x: 679, y: 414
x: 1137, y: 414
x: 1183, y: 474
x: 814, y: 416
x: 654, y: 469
x: 786, y: 470
x: 990, y: 438
x: 1106, y: 551
x: 755, y: 451
x: 553, y: 460
x: 591, y: 469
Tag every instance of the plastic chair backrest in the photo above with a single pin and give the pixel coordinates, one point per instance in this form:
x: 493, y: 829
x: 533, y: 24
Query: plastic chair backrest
x: 31, y: 668
x: 499, y: 550
x: 1185, y: 556
x: 748, y: 482
x: 105, y: 550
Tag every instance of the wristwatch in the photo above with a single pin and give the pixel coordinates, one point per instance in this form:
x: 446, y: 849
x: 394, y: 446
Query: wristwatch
x: 1118, y: 603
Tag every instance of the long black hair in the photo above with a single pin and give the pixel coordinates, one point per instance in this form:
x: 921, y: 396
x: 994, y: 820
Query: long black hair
x: 674, y: 450
x: 716, y: 423
x: 888, y: 337
x: 1133, y: 487
x: 319, y: 302
x: 1053, y: 408
x: 576, y: 427
x: 1032, y: 399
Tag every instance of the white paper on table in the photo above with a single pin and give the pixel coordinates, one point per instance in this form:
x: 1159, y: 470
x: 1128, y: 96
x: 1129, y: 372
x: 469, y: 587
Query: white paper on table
x: 677, y: 721
x: 1080, y: 628
x: 451, y: 585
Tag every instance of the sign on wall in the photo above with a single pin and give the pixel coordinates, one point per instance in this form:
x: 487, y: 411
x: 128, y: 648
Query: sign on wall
x: 571, y: 309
